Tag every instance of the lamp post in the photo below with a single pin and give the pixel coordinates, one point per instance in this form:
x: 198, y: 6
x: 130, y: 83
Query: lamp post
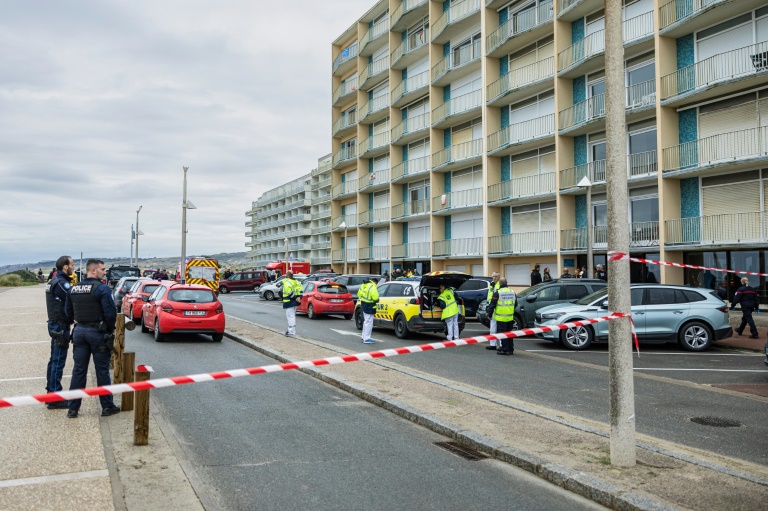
x: 344, y: 250
x: 286, y: 253
x: 138, y: 232
x: 185, y: 205
x: 586, y: 183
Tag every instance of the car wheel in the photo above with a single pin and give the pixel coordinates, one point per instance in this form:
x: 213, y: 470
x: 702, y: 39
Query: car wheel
x: 359, y: 319
x: 577, y: 338
x: 311, y: 312
x: 223, y: 290
x: 158, y: 335
x: 695, y: 336
x: 269, y: 295
x: 519, y: 321
x: 144, y: 325
x: 401, y: 327
x: 217, y: 337
x: 256, y: 288
x: 347, y: 316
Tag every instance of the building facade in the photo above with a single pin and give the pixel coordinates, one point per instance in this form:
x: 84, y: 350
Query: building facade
x: 461, y: 129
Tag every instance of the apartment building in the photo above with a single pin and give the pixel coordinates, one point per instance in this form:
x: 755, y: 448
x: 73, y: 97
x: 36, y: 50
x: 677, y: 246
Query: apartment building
x: 461, y: 129
x: 320, y: 186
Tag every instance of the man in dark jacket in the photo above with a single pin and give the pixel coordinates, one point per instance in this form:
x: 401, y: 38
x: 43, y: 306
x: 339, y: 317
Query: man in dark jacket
x: 56, y: 294
x: 746, y: 295
x: 536, y: 275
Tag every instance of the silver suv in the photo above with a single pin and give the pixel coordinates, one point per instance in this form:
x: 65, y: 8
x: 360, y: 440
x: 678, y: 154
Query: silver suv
x: 692, y: 317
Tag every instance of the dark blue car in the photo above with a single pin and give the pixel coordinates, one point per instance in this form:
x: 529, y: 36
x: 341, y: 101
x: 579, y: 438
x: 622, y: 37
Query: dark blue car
x: 473, y: 291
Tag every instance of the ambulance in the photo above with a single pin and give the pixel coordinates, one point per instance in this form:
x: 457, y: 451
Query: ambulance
x: 280, y: 267
x: 201, y: 270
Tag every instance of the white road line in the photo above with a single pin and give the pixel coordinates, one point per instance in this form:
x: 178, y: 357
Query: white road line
x: 24, y: 324
x: 58, y: 477
x: 24, y: 342
x: 32, y: 378
x: 711, y: 370
x: 660, y: 353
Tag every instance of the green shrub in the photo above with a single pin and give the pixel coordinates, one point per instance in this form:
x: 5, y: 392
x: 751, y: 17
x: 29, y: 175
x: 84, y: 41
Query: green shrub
x: 10, y: 280
x: 26, y: 275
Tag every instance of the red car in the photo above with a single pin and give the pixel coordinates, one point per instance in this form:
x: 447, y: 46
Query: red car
x: 183, y: 308
x: 321, y: 297
x: 132, y: 303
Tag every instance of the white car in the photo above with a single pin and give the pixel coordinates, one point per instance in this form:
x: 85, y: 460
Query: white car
x: 270, y: 290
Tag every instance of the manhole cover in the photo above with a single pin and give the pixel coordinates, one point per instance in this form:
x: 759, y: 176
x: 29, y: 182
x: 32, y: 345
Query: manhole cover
x: 463, y: 451
x: 717, y: 422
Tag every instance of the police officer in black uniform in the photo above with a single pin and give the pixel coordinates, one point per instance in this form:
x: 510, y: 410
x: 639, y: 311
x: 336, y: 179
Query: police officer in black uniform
x: 56, y: 293
x: 90, y: 303
x: 746, y: 295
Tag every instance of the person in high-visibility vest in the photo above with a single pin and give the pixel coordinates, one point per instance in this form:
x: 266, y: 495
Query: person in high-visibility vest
x: 492, y: 289
x: 450, y: 314
x: 503, y: 305
x: 291, y: 292
x: 368, y: 294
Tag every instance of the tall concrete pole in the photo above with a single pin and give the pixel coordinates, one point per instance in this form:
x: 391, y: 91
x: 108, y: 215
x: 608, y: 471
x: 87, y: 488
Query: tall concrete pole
x: 137, y: 234
x: 621, y: 383
x: 183, y: 266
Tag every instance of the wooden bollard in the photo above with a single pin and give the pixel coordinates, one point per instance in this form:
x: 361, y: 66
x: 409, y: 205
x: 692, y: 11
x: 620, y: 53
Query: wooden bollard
x: 141, y: 412
x: 117, y: 355
x: 129, y: 358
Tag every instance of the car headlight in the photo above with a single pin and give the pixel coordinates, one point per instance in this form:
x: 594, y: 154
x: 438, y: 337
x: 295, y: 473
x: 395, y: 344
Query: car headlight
x: 551, y: 315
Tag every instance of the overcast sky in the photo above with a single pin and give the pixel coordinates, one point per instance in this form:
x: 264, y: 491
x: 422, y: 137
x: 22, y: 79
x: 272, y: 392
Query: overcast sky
x: 102, y: 103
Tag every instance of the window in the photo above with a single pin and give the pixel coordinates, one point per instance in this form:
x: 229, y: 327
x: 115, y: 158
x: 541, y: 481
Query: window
x: 394, y: 290
x: 693, y: 296
x: 236, y: 276
x: 644, y: 209
x: 636, y: 297
x: 191, y: 296
x: 349, y: 115
x: 575, y: 292
x: 383, y: 289
x: 661, y: 296
x: 309, y: 286
x: 466, y: 50
x: 150, y: 288
x: 473, y: 285
x: 549, y: 294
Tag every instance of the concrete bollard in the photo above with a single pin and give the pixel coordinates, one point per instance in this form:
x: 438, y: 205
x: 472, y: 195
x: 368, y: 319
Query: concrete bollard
x: 129, y: 358
x: 141, y: 412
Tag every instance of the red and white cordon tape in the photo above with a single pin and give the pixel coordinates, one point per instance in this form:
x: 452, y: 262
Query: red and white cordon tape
x: 122, y: 388
x: 618, y: 256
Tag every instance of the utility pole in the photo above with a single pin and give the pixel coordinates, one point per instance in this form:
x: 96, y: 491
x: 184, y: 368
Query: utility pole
x: 137, y: 234
x: 183, y: 265
x: 130, y: 257
x: 621, y: 383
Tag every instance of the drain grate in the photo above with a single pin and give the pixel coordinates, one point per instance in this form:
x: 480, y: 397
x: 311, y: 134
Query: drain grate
x: 717, y: 422
x: 461, y: 450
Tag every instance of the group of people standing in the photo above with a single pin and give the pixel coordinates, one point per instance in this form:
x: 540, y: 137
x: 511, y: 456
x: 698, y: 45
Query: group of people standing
x: 501, y: 310
x: 537, y: 277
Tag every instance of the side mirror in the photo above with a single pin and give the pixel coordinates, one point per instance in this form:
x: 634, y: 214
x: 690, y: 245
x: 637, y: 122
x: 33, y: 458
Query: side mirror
x: 604, y: 304
x: 531, y: 298
x: 144, y: 298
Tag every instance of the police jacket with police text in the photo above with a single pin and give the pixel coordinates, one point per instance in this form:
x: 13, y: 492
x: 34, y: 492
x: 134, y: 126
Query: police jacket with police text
x: 56, y: 293
x: 90, y: 302
x: 747, y: 297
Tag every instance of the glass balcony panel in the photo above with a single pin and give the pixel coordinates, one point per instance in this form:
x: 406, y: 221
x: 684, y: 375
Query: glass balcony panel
x: 410, y: 84
x: 638, y: 27
x: 405, y: 7
x: 642, y: 164
x: 456, y: 58
x: 455, y: 13
x: 583, y: 111
x: 373, y: 178
x: 345, y: 55
x: 420, y: 250
x: 641, y: 95
x: 344, y: 89
x: 594, y: 170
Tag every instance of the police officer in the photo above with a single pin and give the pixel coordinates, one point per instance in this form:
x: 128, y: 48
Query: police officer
x: 291, y: 292
x: 503, y: 305
x: 90, y: 303
x: 56, y: 293
x: 368, y: 294
x: 492, y: 289
x: 446, y: 300
x: 746, y: 295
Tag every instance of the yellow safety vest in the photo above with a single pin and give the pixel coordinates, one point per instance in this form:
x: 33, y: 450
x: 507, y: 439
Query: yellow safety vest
x: 291, y: 290
x: 451, y: 308
x: 368, y: 293
x: 492, y: 289
x: 505, y: 307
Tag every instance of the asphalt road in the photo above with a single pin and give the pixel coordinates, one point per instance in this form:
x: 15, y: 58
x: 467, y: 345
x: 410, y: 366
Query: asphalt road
x: 287, y: 441
x: 671, y: 386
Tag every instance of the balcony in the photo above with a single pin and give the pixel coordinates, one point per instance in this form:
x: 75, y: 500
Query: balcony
x: 462, y: 247
x: 408, y: 210
x: 345, y: 189
x: 302, y: 247
x: 736, y: 149
x: 458, y: 109
x: 457, y: 155
x: 375, y: 109
x: 375, y: 145
x: 454, y: 20
x: 588, y: 115
x: 322, y: 183
x: 411, y: 168
x: 344, y: 91
x: 321, y: 245
x: 456, y: 64
x: 518, y: 83
x: 344, y: 125
x: 412, y: 251
x: 375, y: 73
x: 681, y: 17
x: 733, y: 229
x: 322, y: 199
x: 345, y: 157
x: 521, y: 29
x: 350, y: 220
x: 325, y: 213
x: 717, y: 75
x: 583, y: 112
x: 528, y: 187
x: 640, y: 166
x: 338, y: 255
x: 408, y: 12
x: 374, y: 253
x: 571, y: 10
x: 641, y: 235
x: 345, y: 60
x: 457, y: 201
x: 521, y: 243
x: 374, y: 181
x: 410, y: 129
x: 320, y: 229
x: 410, y: 89
x: 407, y: 52
x: 522, y: 135
x: 373, y: 217
x: 378, y: 30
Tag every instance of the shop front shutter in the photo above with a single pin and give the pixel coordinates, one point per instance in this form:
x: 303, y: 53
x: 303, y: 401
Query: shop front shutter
x: 477, y: 270
x: 518, y: 274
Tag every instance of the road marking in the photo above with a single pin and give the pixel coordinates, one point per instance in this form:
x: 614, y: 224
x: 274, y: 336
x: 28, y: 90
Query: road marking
x: 32, y: 378
x: 718, y: 354
x: 25, y: 324
x: 24, y: 342
x: 354, y: 334
x: 711, y: 370
x: 58, y: 477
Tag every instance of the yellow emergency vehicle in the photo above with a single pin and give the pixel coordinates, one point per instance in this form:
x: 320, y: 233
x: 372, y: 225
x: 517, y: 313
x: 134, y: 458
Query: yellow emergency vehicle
x: 203, y: 271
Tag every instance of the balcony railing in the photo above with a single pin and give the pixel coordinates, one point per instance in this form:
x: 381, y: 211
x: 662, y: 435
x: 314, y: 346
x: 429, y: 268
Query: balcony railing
x: 374, y: 253
x: 321, y: 229
x: 345, y: 188
x: 583, y: 111
x: 725, y: 66
x: 411, y: 167
x: 638, y: 27
x: 456, y: 200
x: 642, y: 164
x: 677, y: 10
x: 410, y: 125
x: 322, y: 183
x: 374, y: 142
x: 641, y: 95
x: 518, y: 23
x: 523, y: 243
x: 726, y: 147
x: 379, y: 177
x: 350, y: 220
x: 411, y: 84
x: 405, y: 7
x: 594, y: 170
x: 346, y: 121
x: 351, y: 255
x: 345, y: 55
x: 346, y: 154
x: 345, y: 88
x: 461, y: 247
x: 373, y: 216
x: 522, y: 77
x: 529, y: 186
x: 456, y: 59
x: 410, y: 44
x: 375, y: 68
x: 320, y: 245
x: 375, y: 105
x: 418, y: 250
x: 412, y: 208
x: 455, y: 13
x: 457, y: 105
x: 325, y: 213
x: 522, y: 132
x: 717, y: 229
x: 641, y: 234
x: 458, y: 152
x: 379, y: 29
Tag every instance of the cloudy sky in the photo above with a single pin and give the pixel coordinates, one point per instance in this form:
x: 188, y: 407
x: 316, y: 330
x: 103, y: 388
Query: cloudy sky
x: 102, y: 102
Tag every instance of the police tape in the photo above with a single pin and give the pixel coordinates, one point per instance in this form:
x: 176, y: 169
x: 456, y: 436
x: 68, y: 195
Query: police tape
x: 618, y: 256
x: 121, y: 388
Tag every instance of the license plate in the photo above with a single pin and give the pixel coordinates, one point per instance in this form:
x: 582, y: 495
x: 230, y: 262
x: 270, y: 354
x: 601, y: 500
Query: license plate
x: 336, y: 300
x: 194, y: 313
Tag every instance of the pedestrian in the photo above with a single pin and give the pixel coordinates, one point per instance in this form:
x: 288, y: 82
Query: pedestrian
x: 385, y: 276
x: 547, y: 277
x: 162, y: 275
x: 409, y: 274
x: 368, y: 294
x: 291, y: 291
x: 536, y: 275
x: 416, y: 273
x: 492, y: 288
x: 503, y: 307
x: 583, y: 272
x: 566, y: 274
x: 746, y: 295
x: 600, y: 273
x: 52, y: 274
x: 446, y: 300
x: 56, y: 293
x: 91, y: 305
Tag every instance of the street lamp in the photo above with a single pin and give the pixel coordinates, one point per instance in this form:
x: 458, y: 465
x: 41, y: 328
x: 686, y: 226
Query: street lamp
x: 138, y: 232
x: 185, y: 205
x: 286, y: 253
x: 587, y: 184
x: 344, y: 250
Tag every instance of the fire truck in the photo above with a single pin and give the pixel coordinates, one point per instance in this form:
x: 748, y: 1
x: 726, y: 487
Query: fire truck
x: 201, y: 270
x: 280, y: 267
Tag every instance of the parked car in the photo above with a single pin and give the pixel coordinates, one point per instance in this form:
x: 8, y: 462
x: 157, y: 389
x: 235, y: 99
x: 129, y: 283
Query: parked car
x: 270, y: 291
x: 474, y: 291
x: 692, y: 317
x: 353, y: 282
x: 246, y: 280
x: 115, y: 273
x: 132, y: 301
x: 122, y: 288
x: 409, y: 306
x: 320, y: 298
x: 321, y: 276
x: 183, y: 308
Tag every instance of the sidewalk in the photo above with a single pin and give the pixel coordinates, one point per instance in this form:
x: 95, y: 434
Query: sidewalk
x: 744, y: 342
